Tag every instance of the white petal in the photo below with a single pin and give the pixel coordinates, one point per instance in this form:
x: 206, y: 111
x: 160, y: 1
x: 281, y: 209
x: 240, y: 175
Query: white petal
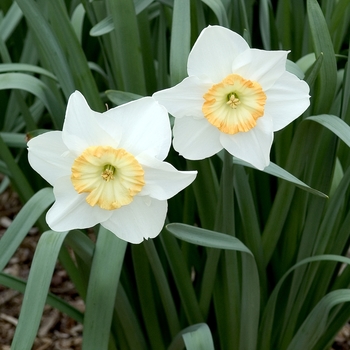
x: 253, y: 146
x: 49, y: 156
x: 287, y: 99
x: 71, y: 211
x: 145, y: 127
x: 184, y: 99
x: 81, y: 128
x: 213, y: 53
x: 143, y: 218
x: 196, y: 138
x: 163, y: 181
x: 262, y: 66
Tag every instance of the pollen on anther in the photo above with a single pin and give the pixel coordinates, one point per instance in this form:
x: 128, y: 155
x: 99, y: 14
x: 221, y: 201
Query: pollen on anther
x: 107, y: 175
x: 233, y: 101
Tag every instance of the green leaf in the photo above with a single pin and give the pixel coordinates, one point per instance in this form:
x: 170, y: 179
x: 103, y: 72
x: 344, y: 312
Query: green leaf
x: 23, y: 222
x: 36, y: 87
x: 195, y: 337
x: 103, y: 27
x: 39, y: 279
x: 345, y: 109
x: 14, y: 140
x: 13, y: 170
x: 104, y: 278
x: 127, y: 321
x: 266, y: 328
x: 147, y: 297
x: 127, y: 37
x: 163, y: 286
x: 275, y: 170
x: 47, y: 44
x: 312, y: 73
x: 182, y: 279
x: 250, y: 288
x: 317, y: 322
x: 121, y: 97
x: 10, y: 22
x: 107, y: 25
x: 59, y: 304
x: 340, y: 23
x: 23, y: 67
x: 294, y: 69
x: 334, y: 124
x: 206, y: 238
x: 81, y: 73
x: 77, y: 21
x: 324, y: 95
x: 180, y: 41
x: 219, y: 10
x: 206, y: 200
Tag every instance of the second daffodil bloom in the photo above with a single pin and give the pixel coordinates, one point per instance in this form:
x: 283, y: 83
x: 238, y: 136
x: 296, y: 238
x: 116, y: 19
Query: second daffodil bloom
x: 234, y: 98
x: 108, y: 168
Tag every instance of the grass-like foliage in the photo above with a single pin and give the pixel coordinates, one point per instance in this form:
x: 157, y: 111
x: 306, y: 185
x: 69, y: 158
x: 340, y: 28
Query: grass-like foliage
x: 248, y: 259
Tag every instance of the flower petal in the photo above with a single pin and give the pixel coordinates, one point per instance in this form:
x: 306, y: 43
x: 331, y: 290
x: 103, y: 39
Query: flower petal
x: 145, y: 127
x: 196, y: 138
x: 213, y: 53
x: 162, y: 180
x: 184, y: 99
x: 262, y: 66
x: 142, y: 219
x: 287, y: 99
x: 81, y: 128
x: 253, y: 146
x: 49, y: 156
x: 71, y: 211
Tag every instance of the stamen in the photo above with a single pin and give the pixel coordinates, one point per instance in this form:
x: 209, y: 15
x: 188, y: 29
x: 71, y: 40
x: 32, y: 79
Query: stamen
x: 108, y: 172
x: 233, y: 100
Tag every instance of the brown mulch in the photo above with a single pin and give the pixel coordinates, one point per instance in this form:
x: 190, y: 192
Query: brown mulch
x: 57, y: 331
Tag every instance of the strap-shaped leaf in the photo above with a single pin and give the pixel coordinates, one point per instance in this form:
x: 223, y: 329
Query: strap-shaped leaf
x: 180, y: 41
x: 206, y: 238
x: 195, y: 337
x: 323, y: 45
x: 36, y: 87
x: 23, y: 222
x: 47, y: 43
x: 39, y: 279
x: 120, y: 97
x: 104, y: 278
x: 23, y: 67
x: 334, y: 124
x: 266, y: 328
x: 250, y: 288
x: 275, y: 170
x: 53, y: 300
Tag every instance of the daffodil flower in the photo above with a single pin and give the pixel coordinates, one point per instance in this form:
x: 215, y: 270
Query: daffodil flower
x: 108, y: 168
x: 235, y: 98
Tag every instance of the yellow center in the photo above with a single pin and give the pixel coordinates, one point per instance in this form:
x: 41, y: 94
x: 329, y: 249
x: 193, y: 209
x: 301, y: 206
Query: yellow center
x: 234, y: 105
x: 112, y: 177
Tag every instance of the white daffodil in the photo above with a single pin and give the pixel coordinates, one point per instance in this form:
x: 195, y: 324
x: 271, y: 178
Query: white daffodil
x: 235, y: 97
x: 108, y: 168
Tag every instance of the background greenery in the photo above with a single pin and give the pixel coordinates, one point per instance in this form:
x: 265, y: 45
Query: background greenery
x: 250, y: 259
